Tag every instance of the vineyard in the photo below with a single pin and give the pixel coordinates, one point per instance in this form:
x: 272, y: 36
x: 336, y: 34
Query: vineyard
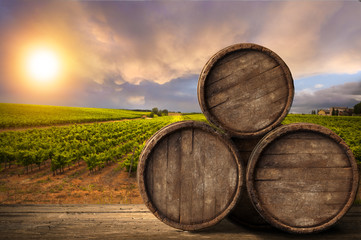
x: 25, y: 115
x: 96, y: 144
x: 99, y: 144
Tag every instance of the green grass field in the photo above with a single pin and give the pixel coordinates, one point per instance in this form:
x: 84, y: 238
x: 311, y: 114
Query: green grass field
x: 25, y: 115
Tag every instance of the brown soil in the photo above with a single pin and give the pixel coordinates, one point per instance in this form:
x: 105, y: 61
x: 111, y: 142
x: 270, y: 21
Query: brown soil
x: 110, y: 185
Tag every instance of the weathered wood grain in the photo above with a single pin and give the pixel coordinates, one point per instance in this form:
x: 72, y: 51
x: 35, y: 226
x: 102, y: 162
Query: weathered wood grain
x: 302, y: 178
x: 187, y: 181
x: 304, y: 185
x: 245, y: 89
x: 118, y: 221
x: 197, y: 174
x: 290, y: 160
x: 309, y: 173
x: 194, y: 173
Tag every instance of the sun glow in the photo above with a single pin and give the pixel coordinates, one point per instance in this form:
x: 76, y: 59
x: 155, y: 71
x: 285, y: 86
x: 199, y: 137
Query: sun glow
x: 42, y: 65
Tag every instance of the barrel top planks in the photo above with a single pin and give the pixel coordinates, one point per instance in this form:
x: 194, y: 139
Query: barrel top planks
x: 302, y: 178
x: 190, y: 176
x: 245, y: 89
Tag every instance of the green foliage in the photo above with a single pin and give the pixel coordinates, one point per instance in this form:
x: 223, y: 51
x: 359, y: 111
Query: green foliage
x: 357, y: 108
x: 101, y: 144
x: 164, y: 112
x: 195, y: 117
x: 96, y: 144
x: 156, y: 111
x: 25, y: 115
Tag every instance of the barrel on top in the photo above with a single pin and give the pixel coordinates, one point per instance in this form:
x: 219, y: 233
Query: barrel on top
x: 190, y: 176
x: 245, y: 89
x: 302, y: 178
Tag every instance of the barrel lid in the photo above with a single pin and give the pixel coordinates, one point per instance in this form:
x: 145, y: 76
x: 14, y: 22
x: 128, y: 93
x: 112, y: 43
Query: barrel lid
x: 190, y: 176
x: 302, y: 178
x: 245, y: 89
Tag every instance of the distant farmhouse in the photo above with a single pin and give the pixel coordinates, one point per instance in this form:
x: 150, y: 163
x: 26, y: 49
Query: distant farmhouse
x: 324, y: 112
x: 336, y: 111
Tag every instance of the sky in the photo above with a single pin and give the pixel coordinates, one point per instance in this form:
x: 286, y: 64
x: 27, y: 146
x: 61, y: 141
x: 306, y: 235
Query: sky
x: 145, y: 54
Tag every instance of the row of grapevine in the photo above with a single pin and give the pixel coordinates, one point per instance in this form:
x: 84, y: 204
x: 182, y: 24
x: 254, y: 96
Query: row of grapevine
x: 96, y: 144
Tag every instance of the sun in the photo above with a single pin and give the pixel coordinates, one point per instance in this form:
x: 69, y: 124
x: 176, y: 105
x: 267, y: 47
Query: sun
x: 42, y: 65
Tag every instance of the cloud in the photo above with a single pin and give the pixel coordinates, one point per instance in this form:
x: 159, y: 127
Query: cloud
x: 344, y: 95
x: 117, y: 50
x: 177, y: 95
x: 161, y: 41
x: 136, y: 100
x: 319, y: 85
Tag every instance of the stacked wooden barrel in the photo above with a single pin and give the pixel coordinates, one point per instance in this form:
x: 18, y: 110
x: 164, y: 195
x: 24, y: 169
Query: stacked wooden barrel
x: 300, y: 178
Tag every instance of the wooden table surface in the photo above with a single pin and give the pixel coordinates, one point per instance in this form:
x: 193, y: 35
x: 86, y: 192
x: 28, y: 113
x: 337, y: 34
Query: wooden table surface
x: 136, y: 222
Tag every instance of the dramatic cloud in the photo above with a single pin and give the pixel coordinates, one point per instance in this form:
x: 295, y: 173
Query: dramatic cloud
x: 345, y: 95
x: 178, y: 95
x: 118, y: 52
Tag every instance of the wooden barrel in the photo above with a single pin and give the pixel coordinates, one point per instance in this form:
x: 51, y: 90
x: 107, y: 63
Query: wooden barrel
x: 302, y: 178
x: 244, y: 212
x: 245, y: 89
x: 189, y: 175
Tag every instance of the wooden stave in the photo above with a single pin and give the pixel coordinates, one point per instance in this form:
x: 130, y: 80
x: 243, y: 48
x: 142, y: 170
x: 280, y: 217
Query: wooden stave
x: 208, y: 67
x: 152, y: 142
x: 274, y: 135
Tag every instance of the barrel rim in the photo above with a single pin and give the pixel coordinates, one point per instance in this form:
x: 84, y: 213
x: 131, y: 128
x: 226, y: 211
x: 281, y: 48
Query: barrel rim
x: 219, y: 55
x: 277, y: 133
x: 142, y: 166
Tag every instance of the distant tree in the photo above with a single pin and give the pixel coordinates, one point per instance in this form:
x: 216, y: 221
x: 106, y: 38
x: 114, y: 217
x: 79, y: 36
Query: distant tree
x: 313, y: 112
x: 159, y: 112
x: 165, y: 112
x: 155, y: 111
x: 333, y: 112
x: 336, y: 112
x: 357, y: 108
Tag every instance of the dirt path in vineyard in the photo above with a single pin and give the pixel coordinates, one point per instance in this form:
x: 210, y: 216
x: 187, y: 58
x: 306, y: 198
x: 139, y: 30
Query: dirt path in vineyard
x: 76, y: 185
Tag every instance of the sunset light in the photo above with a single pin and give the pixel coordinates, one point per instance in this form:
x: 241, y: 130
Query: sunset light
x: 42, y: 65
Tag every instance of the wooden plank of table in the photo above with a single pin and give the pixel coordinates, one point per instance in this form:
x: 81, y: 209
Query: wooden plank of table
x: 136, y: 222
